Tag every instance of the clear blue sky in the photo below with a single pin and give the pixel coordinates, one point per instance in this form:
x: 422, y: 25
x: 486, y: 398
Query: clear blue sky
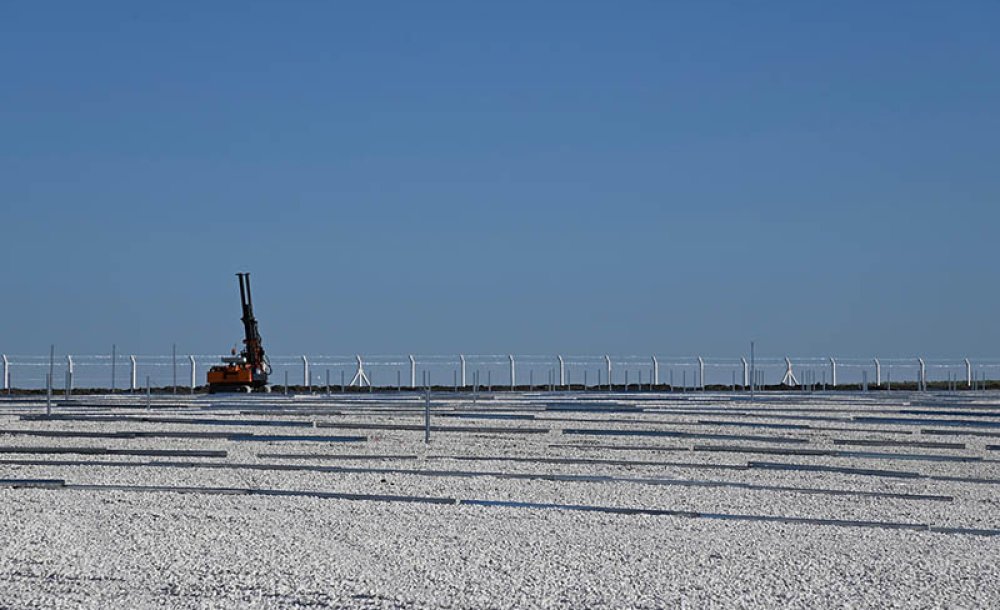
x: 533, y: 177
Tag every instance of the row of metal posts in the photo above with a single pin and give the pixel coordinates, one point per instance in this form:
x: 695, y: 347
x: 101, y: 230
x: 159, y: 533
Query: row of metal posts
x: 363, y: 379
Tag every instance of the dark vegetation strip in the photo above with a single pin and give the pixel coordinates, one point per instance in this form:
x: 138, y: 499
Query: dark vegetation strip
x: 882, y: 443
x: 925, y: 421
x: 983, y: 413
x: 677, y: 434
x: 566, y: 478
x: 109, y: 451
x: 434, y: 428
x: 200, y: 421
x: 295, y: 437
x: 710, y: 422
x: 29, y: 483
x: 620, y: 447
x: 758, y: 415
x: 616, y: 510
x: 834, y: 453
x: 236, y: 437
x: 546, y: 460
x: 334, y: 456
x: 961, y: 433
x: 485, y: 415
x: 871, y: 472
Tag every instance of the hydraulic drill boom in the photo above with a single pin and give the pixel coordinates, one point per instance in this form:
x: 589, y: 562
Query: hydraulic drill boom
x: 249, y: 370
x: 254, y: 349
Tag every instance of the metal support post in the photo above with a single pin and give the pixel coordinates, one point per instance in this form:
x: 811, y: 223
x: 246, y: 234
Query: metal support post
x: 878, y: 373
x: 413, y: 371
x: 607, y: 359
x: 922, y: 381
x: 833, y: 373
x: 562, y: 372
x: 968, y: 373
x: 134, y: 385
x: 513, y: 377
x: 427, y: 417
x: 286, y: 383
x: 656, y: 372
x: 6, y: 373
x: 461, y: 358
x: 174, y: 355
x: 746, y: 373
x: 194, y: 379
x: 305, y: 374
x: 48, y: 394
x: 69, y: 375
x: 701, y: 373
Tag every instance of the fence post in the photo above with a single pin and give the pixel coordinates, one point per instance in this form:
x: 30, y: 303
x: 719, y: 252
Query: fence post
x: 513, y: 375
x: 922, y: 385
x: 878, y: 373
x: 69, y: 375
x: 6, y: 373
x: 413, y: 371
x: 133, y: 387
x: 968, y: 373
x: 833, y: 373
x: 173, y: 360
x: 194, y: 380
x: 305, y: 374
x: 427, y: 417
x: 607, y: 360
x: 461, y: 358
x: 562, y: 372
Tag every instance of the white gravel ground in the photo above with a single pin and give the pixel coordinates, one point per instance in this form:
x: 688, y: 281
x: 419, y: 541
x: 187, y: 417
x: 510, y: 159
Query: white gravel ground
x: 102, y: 548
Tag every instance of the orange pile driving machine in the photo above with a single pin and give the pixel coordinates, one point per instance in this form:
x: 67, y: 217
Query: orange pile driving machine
x: 248, y: 370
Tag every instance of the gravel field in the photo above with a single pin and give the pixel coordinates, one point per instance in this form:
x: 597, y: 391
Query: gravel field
x: 561, y: 500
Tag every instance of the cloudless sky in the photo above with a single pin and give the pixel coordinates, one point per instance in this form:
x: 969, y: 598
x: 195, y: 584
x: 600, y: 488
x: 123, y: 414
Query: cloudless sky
x: 492, y: 177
